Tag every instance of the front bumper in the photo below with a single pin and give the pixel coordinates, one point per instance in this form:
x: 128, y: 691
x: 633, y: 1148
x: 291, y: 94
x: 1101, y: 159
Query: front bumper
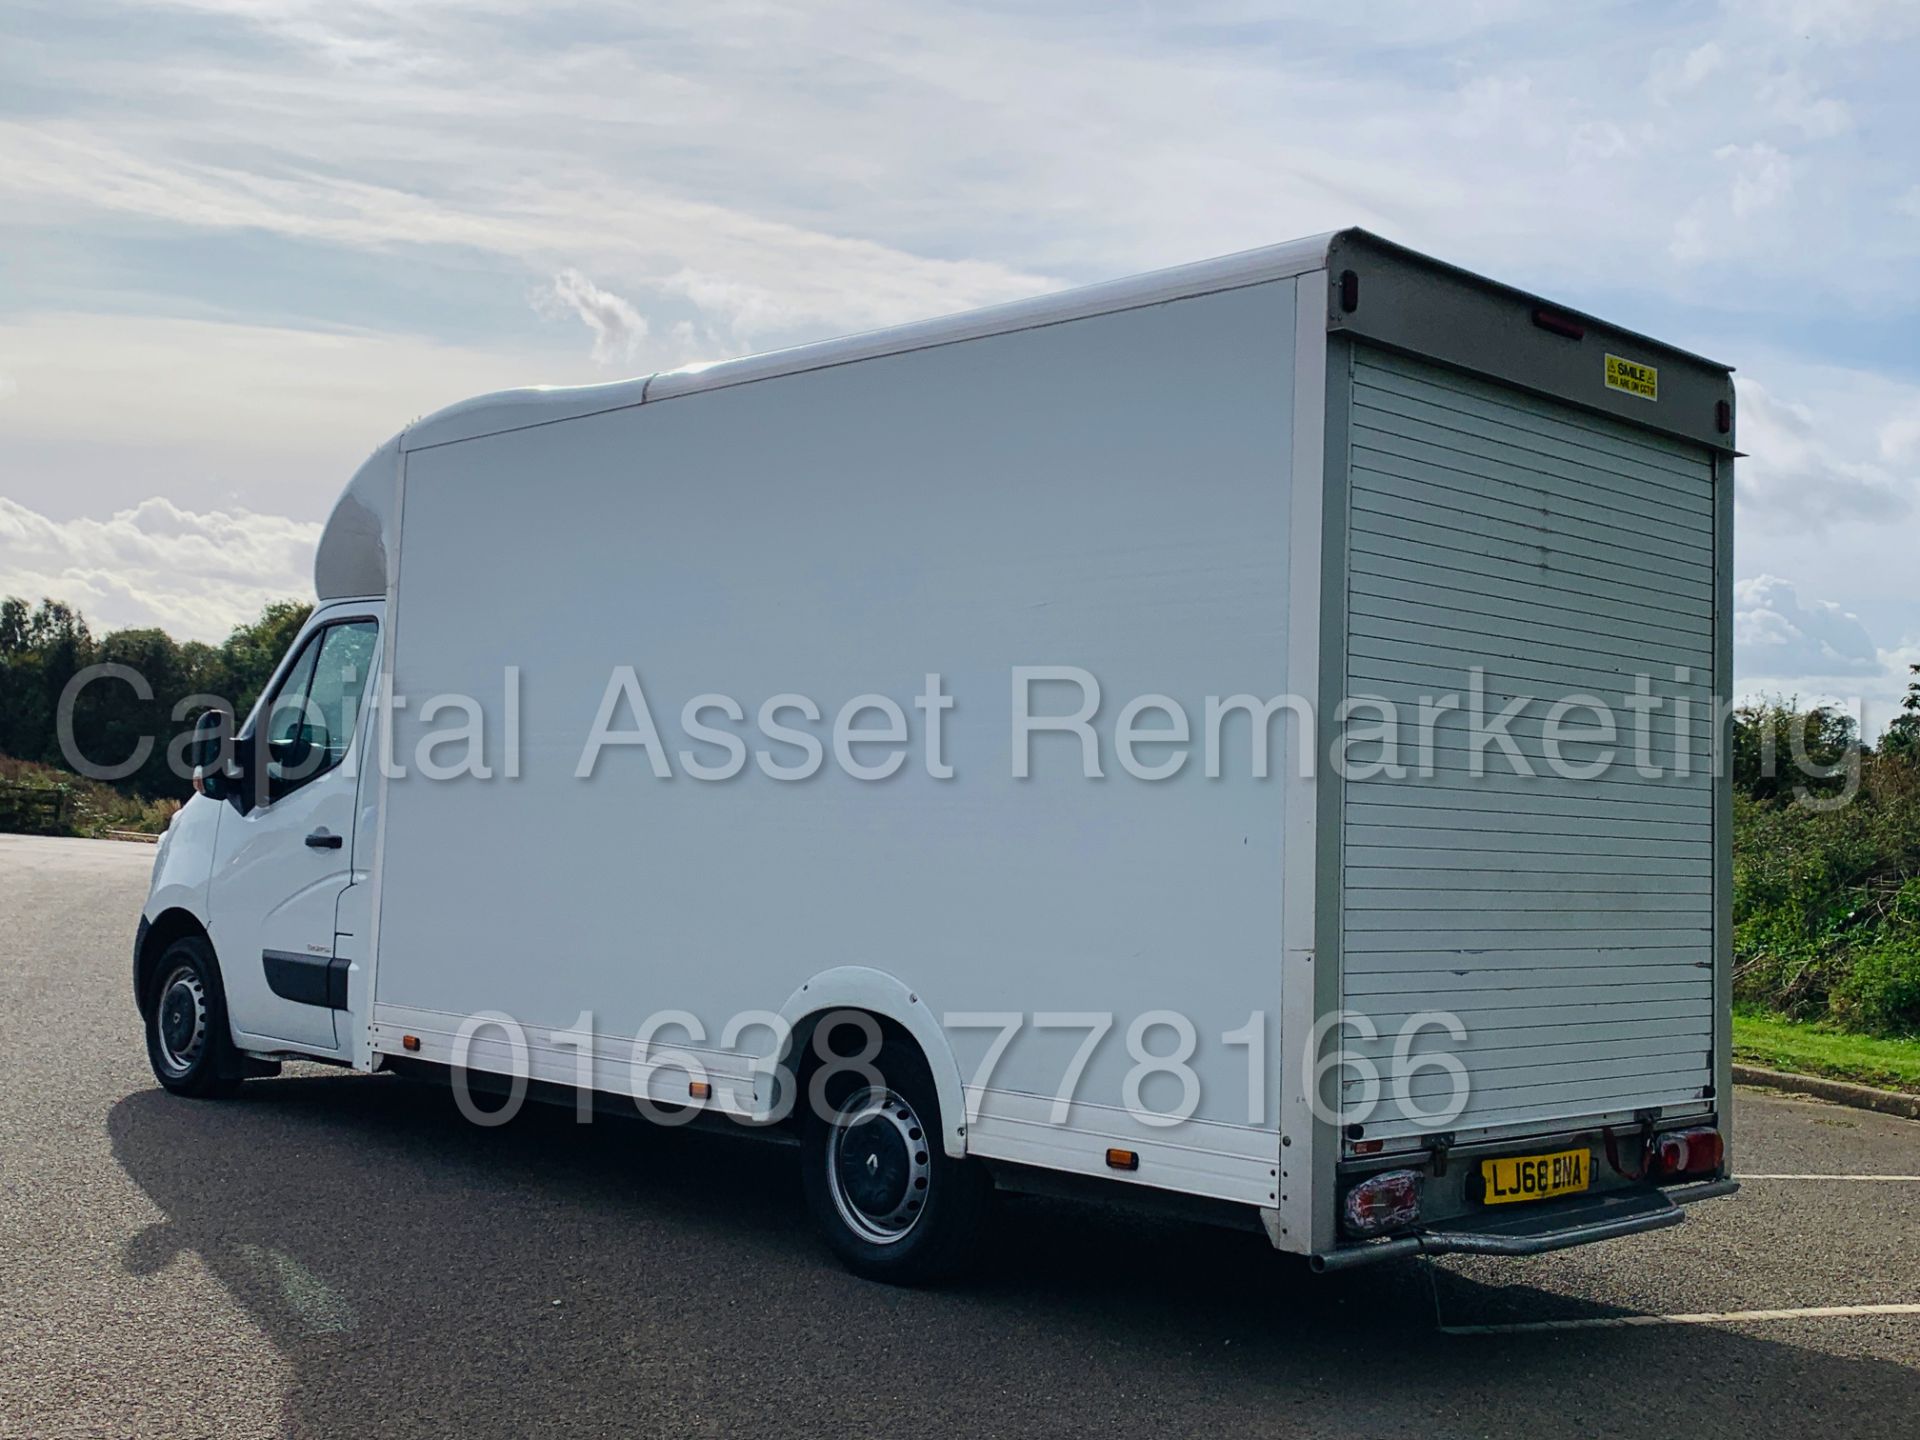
x: 139, y: 955
x: 1538, y: 1229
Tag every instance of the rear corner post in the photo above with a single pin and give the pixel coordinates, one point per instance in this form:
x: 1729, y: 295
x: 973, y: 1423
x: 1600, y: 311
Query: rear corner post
x: 1723, y: 792
x: 1303, y: 1215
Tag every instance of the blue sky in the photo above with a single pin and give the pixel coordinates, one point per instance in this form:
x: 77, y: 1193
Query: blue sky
x: 243, y: 241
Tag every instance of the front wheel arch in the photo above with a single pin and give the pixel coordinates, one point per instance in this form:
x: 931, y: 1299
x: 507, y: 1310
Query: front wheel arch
x: 216, y: 1068
x: 159, y: 933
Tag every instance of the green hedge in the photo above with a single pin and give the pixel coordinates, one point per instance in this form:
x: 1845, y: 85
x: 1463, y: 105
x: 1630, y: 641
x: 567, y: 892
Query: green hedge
x: 1826, y: 903
x: 40, y: 800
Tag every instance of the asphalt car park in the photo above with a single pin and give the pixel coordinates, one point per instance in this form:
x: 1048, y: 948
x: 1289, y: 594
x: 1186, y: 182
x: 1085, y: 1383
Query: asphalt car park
x: 333, y: 1254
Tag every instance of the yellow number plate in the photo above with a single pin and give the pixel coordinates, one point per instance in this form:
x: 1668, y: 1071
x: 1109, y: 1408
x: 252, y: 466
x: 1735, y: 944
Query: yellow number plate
x: 1536, y: 1177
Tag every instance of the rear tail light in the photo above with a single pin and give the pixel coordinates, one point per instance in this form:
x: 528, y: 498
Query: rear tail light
x: 1687, y: 1152
x: 1389, y: 1201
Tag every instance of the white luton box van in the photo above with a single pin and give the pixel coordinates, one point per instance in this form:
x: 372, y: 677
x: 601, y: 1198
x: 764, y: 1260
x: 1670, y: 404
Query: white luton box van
x: 1244, y: 737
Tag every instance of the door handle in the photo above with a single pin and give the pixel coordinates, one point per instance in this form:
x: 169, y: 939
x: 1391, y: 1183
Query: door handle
x: 324, y: 840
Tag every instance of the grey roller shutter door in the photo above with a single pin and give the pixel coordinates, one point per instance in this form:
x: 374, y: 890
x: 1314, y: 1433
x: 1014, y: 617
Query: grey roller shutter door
x: 1567, y: 922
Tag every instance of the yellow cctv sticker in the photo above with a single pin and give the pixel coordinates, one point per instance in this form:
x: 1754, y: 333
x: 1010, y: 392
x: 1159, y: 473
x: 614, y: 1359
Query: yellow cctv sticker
x: 1633, y: 377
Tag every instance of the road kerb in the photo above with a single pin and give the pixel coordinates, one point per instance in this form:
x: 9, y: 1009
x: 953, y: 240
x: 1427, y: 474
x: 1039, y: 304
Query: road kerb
x: 1838, y: 1092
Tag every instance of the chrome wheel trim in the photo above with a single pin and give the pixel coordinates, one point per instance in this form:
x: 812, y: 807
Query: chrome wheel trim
x: 180, y: 1020
x: 870, y: 1129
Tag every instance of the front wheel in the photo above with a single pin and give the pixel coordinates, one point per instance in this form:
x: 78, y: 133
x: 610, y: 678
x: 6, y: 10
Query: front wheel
x: 188, y: 1043
x: 894, y: 1206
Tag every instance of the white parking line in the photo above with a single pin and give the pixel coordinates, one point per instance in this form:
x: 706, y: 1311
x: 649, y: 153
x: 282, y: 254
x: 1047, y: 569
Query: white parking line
x: 1724, y: 1317
x: 1907, y: 1178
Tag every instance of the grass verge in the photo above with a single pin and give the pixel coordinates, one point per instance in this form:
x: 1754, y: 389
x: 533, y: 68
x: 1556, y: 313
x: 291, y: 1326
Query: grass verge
x: 1813, y: 1049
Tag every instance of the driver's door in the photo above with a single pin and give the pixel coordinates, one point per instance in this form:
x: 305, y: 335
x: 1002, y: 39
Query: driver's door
x: 280, y: 866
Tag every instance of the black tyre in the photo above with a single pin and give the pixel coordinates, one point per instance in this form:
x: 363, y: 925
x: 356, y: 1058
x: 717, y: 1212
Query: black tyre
x: 188, y: 1042
x: 892, y: 1204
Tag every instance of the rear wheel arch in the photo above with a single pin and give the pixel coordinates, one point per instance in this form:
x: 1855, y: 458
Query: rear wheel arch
x: 902, y: 1013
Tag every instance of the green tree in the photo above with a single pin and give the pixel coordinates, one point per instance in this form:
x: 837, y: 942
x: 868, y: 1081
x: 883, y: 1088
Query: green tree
x: 40, y: 650
x: 251, y: 652
x: 1903, y: 735
x: 43, y: 647
x: 1780, y: 750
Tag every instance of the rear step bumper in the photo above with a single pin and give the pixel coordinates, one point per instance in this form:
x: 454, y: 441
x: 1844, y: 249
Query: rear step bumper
x: 1537, y: 1229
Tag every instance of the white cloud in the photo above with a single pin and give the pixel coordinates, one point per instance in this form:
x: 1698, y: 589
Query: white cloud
x: 115, y: 408
x: 194, y: 575
x: 1674, y: 75
x: 746, y: 175
x: 1804, y: 471
x: 1900, y: 439
x: 824, y: 280
x: 865, y: 165
x: 1489, y: 102
x: 1776, y: 634
x: 1815, y: 652
x: 143, y: 379
x: 1762, y: 177
x: 618, y: 328
x: 1598, y: 140
x: 1832, y: 22
x: 1793, y: 102
x: 1716, y: 227
x: 1829, y: 498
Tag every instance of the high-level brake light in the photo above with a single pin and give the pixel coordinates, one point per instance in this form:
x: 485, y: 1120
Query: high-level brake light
x: 1555, y: 323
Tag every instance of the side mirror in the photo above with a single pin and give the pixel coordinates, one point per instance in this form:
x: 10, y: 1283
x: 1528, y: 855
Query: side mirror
x: 209, y: 734
x: 209, y: 752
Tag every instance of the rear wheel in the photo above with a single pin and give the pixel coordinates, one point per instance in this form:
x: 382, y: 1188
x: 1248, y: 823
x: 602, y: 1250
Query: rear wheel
x: 188, y: 1043
x: 894, y: 1206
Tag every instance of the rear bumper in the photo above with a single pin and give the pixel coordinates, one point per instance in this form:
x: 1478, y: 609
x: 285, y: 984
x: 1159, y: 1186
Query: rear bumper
x: 1536, y: 1230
